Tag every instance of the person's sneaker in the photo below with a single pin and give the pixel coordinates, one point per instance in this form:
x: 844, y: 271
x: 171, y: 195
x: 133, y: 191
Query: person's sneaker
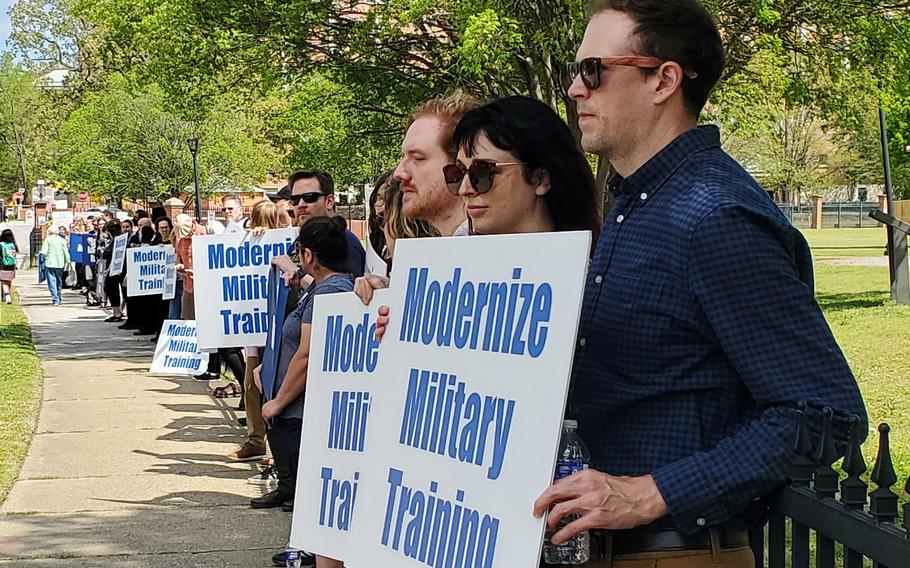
x: 288, y: 506
x: 247, y: 452
x: 270, y: 500
x: 242, y: 421
x: 306, y: 559
x: 264, y: 477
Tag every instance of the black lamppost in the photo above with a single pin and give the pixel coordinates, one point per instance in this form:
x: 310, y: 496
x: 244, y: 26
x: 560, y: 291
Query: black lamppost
x: 194, y: 149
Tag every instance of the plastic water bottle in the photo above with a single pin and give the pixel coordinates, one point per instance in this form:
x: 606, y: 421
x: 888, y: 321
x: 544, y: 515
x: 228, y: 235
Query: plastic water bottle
x: 292, y: 558
x: 573, y: 457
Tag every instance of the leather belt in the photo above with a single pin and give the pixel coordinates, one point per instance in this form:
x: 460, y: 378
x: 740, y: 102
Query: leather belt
x: 636, y: 541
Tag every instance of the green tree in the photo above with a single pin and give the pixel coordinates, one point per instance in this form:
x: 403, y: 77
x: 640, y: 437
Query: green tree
x: 126, y: 143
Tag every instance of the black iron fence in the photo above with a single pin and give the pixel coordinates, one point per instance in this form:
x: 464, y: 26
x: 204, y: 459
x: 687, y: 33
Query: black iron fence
x: 852, y: 527
x: 834, y: 215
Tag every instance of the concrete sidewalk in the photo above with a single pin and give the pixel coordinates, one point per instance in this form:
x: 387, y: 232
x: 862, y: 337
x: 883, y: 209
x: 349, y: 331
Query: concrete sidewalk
x: 127, y: 469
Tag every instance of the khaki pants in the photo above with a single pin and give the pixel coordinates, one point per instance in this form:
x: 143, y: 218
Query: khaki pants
x: 732, y: 558
x: 252, y: 398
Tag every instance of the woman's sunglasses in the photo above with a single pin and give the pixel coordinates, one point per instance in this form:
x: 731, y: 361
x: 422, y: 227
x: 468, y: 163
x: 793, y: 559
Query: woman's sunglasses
x: 311, y: 197
x: 591, y: 68
x: 480, y: 173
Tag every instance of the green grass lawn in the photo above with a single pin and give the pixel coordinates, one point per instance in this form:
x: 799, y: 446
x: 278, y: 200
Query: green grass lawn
x: 20, y: 393
x: 873, y: 332
x: 828, y: 243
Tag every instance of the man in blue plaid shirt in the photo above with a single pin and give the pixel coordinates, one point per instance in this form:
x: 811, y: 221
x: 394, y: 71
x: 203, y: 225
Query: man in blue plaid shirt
x: 700, y: 333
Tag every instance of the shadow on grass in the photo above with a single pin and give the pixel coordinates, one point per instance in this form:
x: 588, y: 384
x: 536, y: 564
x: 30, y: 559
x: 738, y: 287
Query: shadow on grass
x: 15, y: 336
x: 849, y: 301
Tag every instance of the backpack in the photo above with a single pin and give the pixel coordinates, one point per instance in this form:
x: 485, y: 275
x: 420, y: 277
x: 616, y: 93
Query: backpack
x: 8, y: 256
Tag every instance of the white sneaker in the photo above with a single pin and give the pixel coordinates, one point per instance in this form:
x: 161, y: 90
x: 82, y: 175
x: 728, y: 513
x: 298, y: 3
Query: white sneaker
x: 264, y: 477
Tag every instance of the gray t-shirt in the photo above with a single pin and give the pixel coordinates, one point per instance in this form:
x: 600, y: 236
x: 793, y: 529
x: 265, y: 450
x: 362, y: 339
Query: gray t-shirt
x: 290, y: 333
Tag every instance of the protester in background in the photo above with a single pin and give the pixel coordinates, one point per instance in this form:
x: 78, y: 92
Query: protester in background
x: 112, y: 282
x: 185, y: 266
x: 232, y: 208
x: 126, y: 227
x: 323, y: 246
x: 285, y: 211
x: 164, y: 227
x: 140, y: 309
x: 263, y: 217
x: 426, y: 149
x: 182, y: 229
x: 8, y: 251
x: 56, y: 258
x: 376, y: 218
x: 312, y: 193
x: 78, y: 228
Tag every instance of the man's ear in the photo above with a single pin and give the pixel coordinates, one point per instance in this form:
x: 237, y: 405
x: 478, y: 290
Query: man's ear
x: 330, y: 203
x: 670, y: 77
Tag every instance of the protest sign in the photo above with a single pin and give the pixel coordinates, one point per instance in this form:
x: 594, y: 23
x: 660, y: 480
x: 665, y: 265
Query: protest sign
x: 277, y: 306
x: 63, y: 218
x: 170, y: 275
x: 432, y: 449
x: 230, y: 276
x: 177, y: 352
x: 145, y: 270
x: 82, y: 248
x: 118, y: 255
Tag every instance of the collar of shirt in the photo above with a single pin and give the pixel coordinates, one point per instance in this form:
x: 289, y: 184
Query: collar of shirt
x: 661, y: 166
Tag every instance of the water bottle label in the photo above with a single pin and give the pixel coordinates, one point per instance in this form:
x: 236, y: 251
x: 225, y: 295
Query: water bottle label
x: 565, y: 468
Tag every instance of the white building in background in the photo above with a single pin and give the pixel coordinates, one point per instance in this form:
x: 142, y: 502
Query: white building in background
x: 57, y: 79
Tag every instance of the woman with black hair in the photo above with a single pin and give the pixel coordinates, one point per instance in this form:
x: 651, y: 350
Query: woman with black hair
x: 323, y: 247
x: 113, y: 281
x: 519, y: 170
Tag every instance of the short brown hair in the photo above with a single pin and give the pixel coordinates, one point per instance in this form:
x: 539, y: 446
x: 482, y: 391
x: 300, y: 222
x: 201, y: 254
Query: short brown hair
x: 448, y: 109
x: 676, y: 30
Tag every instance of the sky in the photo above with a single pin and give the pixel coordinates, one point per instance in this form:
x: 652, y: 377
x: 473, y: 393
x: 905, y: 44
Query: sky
x: 4, y: 23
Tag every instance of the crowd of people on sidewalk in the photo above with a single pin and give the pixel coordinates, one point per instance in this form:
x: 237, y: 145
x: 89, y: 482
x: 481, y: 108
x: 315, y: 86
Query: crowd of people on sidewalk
x: 685, y: 388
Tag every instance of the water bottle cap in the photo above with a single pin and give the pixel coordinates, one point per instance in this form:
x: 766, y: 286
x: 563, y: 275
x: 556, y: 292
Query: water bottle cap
x: 571, y: 424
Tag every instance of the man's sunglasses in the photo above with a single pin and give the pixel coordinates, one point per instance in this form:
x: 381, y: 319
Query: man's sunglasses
x: 480, y: 173
x: 591, y: 68
x: 311, y: 197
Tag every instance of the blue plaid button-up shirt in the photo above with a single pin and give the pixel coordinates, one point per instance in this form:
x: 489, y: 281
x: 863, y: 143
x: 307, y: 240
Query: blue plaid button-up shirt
x: 699, y: 336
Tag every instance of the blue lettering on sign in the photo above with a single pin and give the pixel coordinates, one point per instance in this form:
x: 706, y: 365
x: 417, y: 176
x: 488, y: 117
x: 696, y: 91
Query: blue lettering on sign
x: 244, y: 287
x: 246, y: 254
x: 350, y: 348
x: 244, y: 323
x: 441, y: 418
x: 499, y: 317
x: 338, y: 497
x: 348, y: 421
x: 436, y: 531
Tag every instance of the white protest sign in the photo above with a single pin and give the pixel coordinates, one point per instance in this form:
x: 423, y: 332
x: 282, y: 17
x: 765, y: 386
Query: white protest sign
x: 63, y: 218
x: 230, y: 279
x: 118, y: 255
x: 170, y: 275
x: 145, y: 269
x: 462, y: 429
x: 177, y: 352
x: 340, y: 389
